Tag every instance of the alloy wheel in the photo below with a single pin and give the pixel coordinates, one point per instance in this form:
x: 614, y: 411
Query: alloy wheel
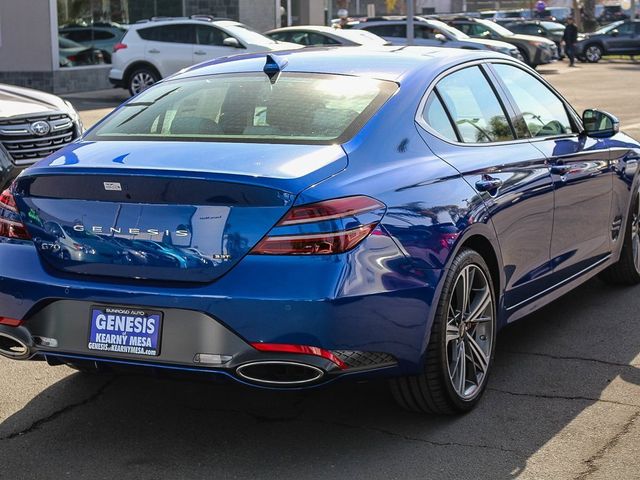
x: 141, y: 81
x: 593, y: 53
x: 470, y: 331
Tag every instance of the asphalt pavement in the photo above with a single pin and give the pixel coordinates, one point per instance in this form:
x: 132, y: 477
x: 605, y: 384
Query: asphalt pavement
x: 563, y: 401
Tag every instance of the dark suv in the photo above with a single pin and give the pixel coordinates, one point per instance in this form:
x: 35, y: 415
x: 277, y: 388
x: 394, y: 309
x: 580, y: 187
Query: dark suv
x: 619, y: 38
x: 540, y: 28
x: 33, y: 125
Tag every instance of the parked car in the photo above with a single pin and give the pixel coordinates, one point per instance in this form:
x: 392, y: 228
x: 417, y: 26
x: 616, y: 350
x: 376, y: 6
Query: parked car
x: 534, y: 50
x: 619, y: 38
x: 429, y: 32
x: 508, y: 16
x: 314, y: 35
x: 322, y: 268
x: 73, y: 54
x: 560, y: 14
x: 154, y: 49
x: 550, y: 30
x: 606, y: 14
x: 101, y: 37
x: 33, y: 124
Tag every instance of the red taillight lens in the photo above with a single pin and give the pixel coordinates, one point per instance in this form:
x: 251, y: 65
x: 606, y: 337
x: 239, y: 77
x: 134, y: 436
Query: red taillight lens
x: 119, y: 46
x: 11, y: 322
x: 316, y: 244
x: 300, y: 349
x: 339, y: 211
x: 10, y: 225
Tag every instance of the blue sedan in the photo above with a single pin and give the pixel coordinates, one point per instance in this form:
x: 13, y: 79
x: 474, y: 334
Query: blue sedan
x: 288, y: 221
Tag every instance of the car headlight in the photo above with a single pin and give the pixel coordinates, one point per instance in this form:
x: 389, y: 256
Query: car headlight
x: 75, y: 117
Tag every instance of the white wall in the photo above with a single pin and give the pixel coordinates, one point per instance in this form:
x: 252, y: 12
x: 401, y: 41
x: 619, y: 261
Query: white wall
x: 260, y: 14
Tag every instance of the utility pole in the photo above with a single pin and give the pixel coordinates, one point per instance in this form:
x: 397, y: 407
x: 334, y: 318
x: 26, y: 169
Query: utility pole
x: 411, y: 10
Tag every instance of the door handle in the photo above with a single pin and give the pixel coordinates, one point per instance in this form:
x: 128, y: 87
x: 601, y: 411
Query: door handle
x: 560, y: 169
x: 488, y: 184
x: 200, y: 52
x: 154, y: 50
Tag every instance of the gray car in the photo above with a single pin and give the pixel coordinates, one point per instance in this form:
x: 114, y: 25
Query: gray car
x: 433, y: 33
x: 33, y: 125
x: 619, y: 38
x: 535, y: 50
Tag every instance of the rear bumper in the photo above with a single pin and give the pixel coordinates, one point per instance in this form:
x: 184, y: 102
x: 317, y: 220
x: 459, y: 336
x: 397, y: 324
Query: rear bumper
x: 116, y: 78
x: 381, y: 323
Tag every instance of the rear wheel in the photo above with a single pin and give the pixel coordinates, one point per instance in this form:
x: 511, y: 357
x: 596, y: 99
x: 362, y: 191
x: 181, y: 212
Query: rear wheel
x: 626, y: 271
x: 461, y: 345
x: 593, y: 53
x: 141, y: 79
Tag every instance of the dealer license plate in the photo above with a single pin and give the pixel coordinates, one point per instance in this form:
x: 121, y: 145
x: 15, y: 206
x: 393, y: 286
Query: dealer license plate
x: 125, y: 330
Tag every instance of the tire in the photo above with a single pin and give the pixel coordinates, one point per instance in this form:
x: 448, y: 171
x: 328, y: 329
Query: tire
x: 141, y: 79
x: 593, y: 53
x: 626, y: 271
x: 439, y: 389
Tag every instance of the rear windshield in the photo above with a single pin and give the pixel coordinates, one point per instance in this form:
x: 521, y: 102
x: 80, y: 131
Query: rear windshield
x: 296, y: 108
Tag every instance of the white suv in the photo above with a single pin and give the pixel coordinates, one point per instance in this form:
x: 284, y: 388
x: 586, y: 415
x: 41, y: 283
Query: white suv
x: 154, y: 49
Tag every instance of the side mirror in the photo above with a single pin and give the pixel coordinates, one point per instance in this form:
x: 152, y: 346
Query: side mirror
x: 615, y: 32
x: 440, y: 37
x: 600, y: 124
x: 231, y: 42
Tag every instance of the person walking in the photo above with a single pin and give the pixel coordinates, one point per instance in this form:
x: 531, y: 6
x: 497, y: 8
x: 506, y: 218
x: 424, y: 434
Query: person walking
x: 569, y: 39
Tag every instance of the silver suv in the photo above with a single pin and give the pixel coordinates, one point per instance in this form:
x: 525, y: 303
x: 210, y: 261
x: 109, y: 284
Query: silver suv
x: 33, y: 125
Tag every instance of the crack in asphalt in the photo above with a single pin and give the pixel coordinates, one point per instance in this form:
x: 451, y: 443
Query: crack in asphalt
x: 66, y: 409
x: 563, y: 357
x: 562, y: 397
x: 261, y: 418
x: 413, y: 439
x: 591, y: 462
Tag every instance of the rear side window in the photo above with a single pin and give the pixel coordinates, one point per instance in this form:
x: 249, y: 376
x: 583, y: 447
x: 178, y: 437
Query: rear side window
x: 185, y: 33
x: 297, y: 108
x: 436, y: 117
x: 474, y: 107
x: 542, y: 112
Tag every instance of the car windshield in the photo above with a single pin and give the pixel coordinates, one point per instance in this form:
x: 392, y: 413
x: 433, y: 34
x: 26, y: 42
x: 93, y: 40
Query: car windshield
x: 494, y: 27
x: 454, y: 32
x: 608, y: 28
x: 248, y: 34
x: 249, y: 107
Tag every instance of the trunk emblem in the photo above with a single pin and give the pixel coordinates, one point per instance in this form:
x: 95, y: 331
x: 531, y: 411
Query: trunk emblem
x: 112, y: 186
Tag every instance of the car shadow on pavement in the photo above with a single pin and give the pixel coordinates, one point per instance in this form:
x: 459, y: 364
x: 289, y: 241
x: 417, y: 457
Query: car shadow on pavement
x: 559, y: 374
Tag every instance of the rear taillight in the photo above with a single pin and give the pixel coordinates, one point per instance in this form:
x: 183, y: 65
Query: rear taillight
x: 10, y: 222
x: 119, y: 46
x: 323, y: 228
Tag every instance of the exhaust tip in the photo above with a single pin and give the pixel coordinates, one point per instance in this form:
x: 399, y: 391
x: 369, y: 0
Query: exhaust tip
x: 279, y: 373
x: 13, y: 347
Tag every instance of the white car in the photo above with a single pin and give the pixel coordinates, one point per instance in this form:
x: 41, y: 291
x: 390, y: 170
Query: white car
x: 154, y: 49
x: 316, y: 35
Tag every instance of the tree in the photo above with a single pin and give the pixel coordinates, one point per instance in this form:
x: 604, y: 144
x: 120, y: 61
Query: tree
x: 589, y: 23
